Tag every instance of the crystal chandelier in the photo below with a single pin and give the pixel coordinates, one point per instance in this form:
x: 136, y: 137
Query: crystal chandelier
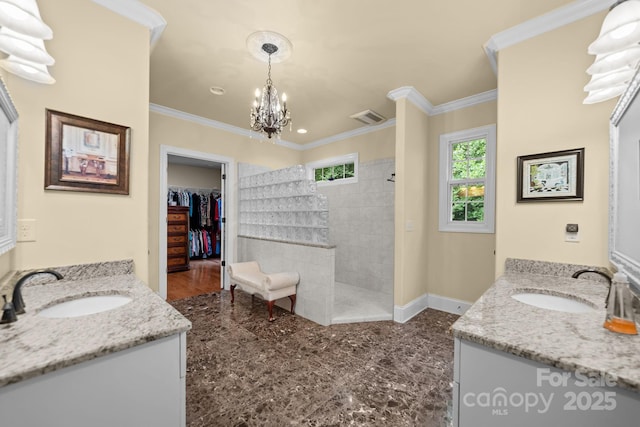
x: 268, y: 114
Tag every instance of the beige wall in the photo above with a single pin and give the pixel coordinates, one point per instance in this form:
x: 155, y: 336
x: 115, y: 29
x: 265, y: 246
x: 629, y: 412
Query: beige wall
x: 411, y: 201
x: 193, y: 176
x: 165, y: 130
x: 459, y: 265
x: 101, y: 73
x: 540, y: 83
x: 370, y: 146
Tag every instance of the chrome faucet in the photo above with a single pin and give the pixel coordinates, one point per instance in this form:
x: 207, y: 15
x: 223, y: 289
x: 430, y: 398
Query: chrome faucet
x: 596, y: 271
x: 18, y: 302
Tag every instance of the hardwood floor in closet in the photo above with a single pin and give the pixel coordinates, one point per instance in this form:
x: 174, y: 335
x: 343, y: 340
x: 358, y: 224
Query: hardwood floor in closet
x: 203, y: 277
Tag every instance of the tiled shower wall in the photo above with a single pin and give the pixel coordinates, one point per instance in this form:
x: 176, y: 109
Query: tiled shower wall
x: 361, y: 225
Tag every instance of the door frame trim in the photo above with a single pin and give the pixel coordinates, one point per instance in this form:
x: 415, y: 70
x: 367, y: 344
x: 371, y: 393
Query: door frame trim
x: 229, y: 204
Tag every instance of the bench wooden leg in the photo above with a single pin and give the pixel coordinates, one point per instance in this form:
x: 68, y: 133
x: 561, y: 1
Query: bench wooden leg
x: 293, y: 302
x: 233, y: 296
x: 270, y: 307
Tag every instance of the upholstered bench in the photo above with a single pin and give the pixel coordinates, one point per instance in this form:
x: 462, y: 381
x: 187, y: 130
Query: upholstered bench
x: 249, y: 277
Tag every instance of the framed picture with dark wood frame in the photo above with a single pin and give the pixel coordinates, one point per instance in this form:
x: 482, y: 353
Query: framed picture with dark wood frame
x: 554, y: 176
x: 85, y: 154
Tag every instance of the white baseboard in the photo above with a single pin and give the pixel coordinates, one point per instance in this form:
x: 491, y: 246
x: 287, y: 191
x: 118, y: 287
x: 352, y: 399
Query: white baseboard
x: 450, y: 305
x: 402, y: 314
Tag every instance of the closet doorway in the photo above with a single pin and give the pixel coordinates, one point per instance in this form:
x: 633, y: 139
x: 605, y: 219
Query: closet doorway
x: 194, y: 204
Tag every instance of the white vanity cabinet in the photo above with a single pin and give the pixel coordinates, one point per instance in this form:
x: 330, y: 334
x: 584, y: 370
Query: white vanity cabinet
x: 140, y: 386
x: 494, y: 388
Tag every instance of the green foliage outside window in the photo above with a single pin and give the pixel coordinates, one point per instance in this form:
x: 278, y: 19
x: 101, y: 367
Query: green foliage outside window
x: 469, y: 166
x: 331, y: 173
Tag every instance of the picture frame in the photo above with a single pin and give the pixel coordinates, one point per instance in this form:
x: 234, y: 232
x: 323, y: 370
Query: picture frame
x: 84, y: 154
x: 553, y: 176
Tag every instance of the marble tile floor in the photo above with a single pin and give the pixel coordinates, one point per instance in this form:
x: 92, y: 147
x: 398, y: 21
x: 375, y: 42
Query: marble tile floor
x: 356, y: 304
x: 244, y: 371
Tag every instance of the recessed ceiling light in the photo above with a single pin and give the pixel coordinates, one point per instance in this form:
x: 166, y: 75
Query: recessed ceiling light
x: 216, y: 90
x: 301, y: 130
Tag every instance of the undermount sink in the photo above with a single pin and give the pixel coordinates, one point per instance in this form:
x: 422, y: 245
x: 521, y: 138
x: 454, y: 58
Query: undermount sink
x: 553, y: 302
x: 84, y: 306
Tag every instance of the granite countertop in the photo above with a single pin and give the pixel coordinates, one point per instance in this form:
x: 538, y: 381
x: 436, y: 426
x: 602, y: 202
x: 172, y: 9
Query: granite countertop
x: 36, y: 345
x: 569, y: 341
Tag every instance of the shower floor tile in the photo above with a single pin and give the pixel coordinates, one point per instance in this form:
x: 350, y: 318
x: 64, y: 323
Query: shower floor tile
x: 355, y: 304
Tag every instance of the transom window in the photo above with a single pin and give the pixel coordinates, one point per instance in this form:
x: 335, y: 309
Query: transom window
x: 335, y: 170
x: 467, y: 183
x: 331, y: 173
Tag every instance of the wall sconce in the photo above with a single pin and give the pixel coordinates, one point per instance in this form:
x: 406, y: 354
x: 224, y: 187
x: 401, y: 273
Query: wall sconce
x: 617, y: 50
x: 23, y: 16
x: 21, y: 36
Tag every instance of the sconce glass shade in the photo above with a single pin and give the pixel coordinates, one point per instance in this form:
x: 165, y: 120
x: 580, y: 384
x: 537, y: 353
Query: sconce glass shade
x: 604, y: 94
x: 25, y: 47
x: 606, y: 80
x: 606, y: 63
x: 621, y: 28
x: 27, y: 69
x: 23, y: 16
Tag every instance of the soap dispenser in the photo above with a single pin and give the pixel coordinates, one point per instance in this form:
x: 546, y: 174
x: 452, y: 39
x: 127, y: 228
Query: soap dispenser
x: 620, y: 315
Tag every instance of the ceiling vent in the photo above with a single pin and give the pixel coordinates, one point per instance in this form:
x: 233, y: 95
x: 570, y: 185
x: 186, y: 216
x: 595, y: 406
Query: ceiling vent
x: 368, y: 117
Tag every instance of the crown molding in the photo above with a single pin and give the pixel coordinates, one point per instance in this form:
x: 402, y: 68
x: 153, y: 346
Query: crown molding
x: 349, y: 134
x: 488, y: 96
x: 408, y: 92
x: 418, y: 99
x: 166, y: 111
x: 140, y: 13
x: 413, y: 96
x: 557, y: 18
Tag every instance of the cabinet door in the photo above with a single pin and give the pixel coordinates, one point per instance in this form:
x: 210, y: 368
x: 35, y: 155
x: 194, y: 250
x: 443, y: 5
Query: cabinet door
x: 499, y: 389
x: 140, y: 386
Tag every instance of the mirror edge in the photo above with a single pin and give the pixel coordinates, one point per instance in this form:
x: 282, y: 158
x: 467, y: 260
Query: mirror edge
x: 624, y: 264
x: 9, y: 192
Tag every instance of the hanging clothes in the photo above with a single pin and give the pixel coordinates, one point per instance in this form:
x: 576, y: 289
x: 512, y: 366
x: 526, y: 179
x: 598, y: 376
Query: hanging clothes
x: 204, y: 218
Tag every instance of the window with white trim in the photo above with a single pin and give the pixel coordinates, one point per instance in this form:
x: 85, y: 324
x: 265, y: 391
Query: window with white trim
x: 335, y: 170
x: 467, y: 180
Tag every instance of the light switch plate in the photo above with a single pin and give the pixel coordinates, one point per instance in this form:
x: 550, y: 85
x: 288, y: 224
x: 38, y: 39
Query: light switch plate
x: 571, y: 237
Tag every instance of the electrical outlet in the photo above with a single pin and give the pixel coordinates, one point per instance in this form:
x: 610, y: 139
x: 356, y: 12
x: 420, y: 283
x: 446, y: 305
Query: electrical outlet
x: 26, y: 230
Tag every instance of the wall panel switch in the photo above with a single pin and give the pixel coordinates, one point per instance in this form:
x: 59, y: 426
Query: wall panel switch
x: 26, y: 230
x: 571, y: 233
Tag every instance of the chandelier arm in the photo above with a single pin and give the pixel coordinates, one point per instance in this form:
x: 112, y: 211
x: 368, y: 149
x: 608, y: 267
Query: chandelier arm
x: 268, y: 116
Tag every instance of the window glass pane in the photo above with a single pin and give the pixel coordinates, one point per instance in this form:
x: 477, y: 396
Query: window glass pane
x: 477, y: 148
x: 458, y: 211
x: 327, y: 173
x: 459, y: 170
x: 476, y: 168
x: 476, y: 193
x: 475, y: 211
x: 338, y: 171
x: 458, y: 193
x: 318, y: 174
x: 459, y: 151
x: 349, y: 170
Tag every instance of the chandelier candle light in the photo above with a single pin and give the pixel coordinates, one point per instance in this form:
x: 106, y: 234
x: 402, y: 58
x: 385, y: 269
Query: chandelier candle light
x: 268, y: 114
